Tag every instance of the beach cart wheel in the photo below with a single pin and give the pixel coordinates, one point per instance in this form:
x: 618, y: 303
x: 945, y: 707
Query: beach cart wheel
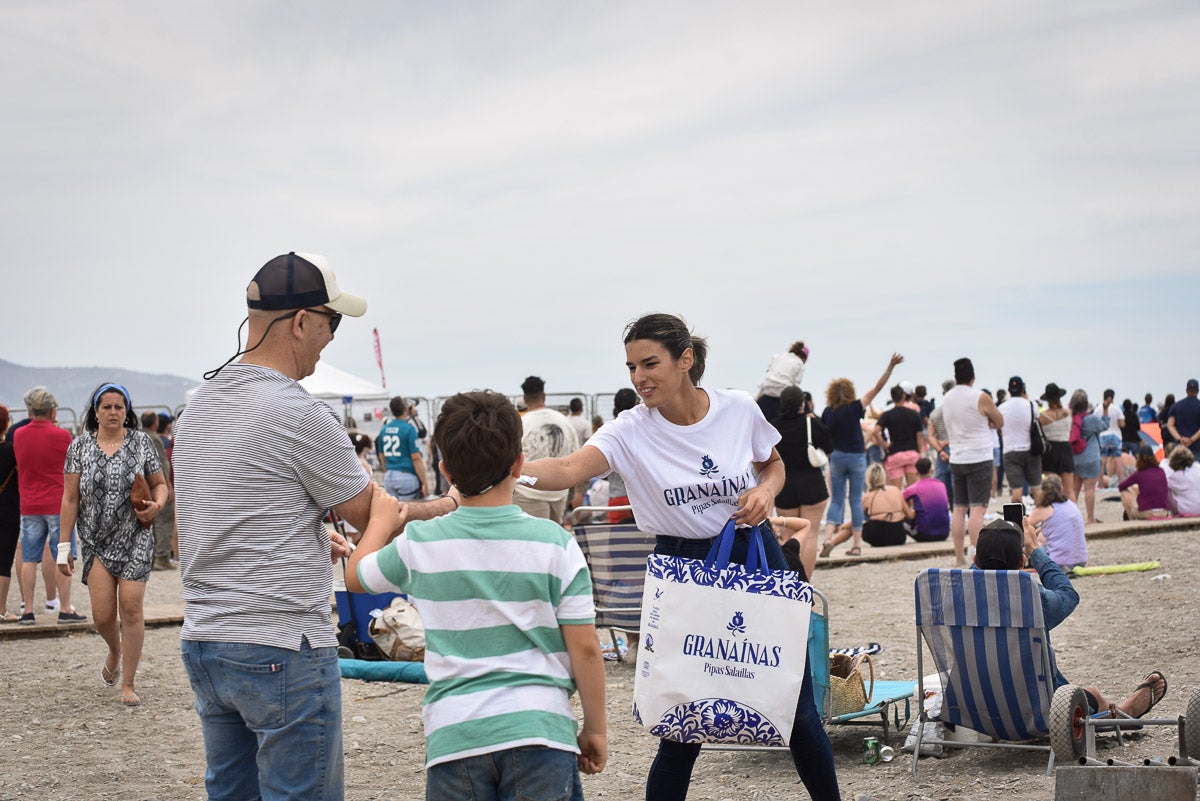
x: 1192, y: 726
x: 1068, y: 713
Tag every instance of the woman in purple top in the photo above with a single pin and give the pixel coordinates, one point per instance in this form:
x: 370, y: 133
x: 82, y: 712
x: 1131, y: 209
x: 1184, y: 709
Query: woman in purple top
x: 1145, y: 493
x: 1061, y: 524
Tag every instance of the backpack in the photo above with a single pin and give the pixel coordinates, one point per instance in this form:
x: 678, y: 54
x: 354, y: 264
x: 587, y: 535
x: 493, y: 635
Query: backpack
x: 1078, y: 443
x: 1037, y: 437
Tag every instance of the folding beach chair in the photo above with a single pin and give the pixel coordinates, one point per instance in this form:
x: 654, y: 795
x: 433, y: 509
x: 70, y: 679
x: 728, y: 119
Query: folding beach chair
x: 616, y: 556
x: 987, y: 635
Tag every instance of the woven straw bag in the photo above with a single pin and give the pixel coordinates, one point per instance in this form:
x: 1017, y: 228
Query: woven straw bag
x: 846, y: 685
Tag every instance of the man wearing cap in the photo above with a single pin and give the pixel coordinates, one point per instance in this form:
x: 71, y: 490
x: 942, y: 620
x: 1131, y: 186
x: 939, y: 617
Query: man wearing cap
x: 971, y: 416
x: 41, y: 451
x: 257, y: 462
x: 1004, y: 545
x: 1183, y: 420
x: 1021, y: 467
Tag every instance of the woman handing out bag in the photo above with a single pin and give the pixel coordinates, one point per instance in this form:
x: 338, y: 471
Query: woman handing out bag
x: 692, y: 458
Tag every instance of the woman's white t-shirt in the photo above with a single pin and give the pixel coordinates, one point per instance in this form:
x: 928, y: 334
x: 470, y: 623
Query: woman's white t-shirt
x: 684, y: 481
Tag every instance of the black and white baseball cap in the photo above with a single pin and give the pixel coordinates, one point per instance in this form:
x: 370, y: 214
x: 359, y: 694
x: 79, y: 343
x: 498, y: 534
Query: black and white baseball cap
x: 298, y: 281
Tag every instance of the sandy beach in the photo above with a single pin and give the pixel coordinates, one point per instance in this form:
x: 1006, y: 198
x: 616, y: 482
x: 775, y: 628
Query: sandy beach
x: 65, y: 735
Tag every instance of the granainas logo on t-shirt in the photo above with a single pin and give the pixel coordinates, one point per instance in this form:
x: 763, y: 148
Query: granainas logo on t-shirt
x: 703, y: 495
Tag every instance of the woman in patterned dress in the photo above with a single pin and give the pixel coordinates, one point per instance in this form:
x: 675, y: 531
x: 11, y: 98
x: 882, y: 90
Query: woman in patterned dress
x: 116, y: 542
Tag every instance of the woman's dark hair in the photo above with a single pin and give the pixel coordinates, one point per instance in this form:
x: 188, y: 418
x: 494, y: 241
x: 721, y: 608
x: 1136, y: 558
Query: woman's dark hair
x: 797, y: 349
x: 361, y: 441
x: 92, y: 423
x: 1127, y: 406
x: 672, y: 333
x: 625, y: 399
x: 791, y: 399
x: 5, y: 419
x: 1145, y: 458
x: 478, y: 435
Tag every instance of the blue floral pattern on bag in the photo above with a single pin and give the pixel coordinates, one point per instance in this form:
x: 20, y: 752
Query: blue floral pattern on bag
x: 680, y: 570
x: 716, y: 720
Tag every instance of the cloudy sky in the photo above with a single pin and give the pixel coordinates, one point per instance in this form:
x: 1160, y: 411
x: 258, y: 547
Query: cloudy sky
x: 510, y: 183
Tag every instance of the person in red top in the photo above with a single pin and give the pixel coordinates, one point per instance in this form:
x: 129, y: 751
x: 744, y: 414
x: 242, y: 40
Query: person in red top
x: 41, y: 451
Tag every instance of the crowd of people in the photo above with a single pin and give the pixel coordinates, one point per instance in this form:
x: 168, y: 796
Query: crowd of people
x: 256, y: 463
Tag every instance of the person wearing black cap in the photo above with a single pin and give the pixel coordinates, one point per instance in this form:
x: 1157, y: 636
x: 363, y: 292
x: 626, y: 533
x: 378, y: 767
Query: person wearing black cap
x: 1058, y: 459
x: 1004, y: 545
x: 257, y: 462
x: 1021, y: 466
x: 1184, y: 418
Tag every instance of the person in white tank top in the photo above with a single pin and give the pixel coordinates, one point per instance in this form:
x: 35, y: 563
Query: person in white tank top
x: 970, y: 416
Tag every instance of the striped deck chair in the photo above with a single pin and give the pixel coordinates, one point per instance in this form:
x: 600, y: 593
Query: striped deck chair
x: 616, y: 556
x: 987, y: 636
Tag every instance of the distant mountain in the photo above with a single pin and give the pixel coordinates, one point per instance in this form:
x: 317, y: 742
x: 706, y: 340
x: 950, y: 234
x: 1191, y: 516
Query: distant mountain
x: 72, y: 385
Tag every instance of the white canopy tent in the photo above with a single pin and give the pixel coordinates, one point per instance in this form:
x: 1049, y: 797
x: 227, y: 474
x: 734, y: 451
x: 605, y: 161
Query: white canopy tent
x: 358, y: 398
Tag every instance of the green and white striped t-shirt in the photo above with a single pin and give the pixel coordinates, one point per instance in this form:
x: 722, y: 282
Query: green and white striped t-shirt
x: 492, y: 585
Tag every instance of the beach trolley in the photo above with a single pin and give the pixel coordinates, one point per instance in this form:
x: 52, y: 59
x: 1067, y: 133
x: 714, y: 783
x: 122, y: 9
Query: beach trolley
x: 1073, y: 730
x: 616, y: 555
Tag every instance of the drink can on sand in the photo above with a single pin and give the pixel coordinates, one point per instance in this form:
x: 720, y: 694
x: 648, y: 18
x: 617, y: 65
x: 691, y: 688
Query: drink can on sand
x: 870, y: 751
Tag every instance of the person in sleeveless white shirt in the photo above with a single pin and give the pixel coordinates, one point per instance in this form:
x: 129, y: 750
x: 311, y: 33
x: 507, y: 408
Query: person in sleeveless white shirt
x: 971, y: 416
x: 692, y: 458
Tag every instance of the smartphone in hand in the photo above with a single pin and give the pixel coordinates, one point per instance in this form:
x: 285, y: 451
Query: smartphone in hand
x: 1015, y: 513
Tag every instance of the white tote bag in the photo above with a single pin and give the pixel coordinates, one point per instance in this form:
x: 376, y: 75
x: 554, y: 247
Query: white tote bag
x: 723, y: 649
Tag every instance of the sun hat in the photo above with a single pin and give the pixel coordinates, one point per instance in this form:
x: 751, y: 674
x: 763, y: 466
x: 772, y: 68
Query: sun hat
x: 1053, y: 392
x: 298, y: 281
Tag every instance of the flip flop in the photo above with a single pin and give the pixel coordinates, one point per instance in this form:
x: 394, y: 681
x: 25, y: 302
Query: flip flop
x: 9, y: 617
x: 1148, y: 684
x: 110, y: 677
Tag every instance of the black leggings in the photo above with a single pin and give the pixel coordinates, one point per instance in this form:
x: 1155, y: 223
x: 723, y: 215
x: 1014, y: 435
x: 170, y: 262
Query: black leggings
x: 10, y: 532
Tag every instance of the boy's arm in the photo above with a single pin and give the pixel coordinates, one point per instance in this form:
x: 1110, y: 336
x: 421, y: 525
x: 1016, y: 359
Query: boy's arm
x: 387, y: 516
x: 587, y: 663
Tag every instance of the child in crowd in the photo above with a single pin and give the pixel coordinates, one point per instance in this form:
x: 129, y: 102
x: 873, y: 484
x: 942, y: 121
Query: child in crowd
x: 509, y: 622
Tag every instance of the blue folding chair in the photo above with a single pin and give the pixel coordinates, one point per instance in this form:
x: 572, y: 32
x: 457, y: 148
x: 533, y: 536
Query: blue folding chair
x: 987, y: 635
x: 616, y: 556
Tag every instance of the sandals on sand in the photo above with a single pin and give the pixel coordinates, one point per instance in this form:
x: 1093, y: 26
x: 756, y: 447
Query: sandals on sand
x: 826, y: 549
x: 1116, y: 710
x: 110, y: 677
x: 855, y: 551
x: 8, y: 617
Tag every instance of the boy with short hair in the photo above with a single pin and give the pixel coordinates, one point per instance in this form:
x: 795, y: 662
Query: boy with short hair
x: 509, y: 623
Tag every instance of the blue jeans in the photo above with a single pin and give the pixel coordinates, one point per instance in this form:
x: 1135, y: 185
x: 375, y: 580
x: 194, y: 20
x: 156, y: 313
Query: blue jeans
x: 941, y: 471
x: 846, y: 469
x: 529, y: 773
x: 37, y: 531
x: 812, y: 753
x: 402, y: 486
x: 271, y: 719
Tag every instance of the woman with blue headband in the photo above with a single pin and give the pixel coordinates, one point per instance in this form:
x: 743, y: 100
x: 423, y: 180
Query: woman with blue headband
x: 116, y: 540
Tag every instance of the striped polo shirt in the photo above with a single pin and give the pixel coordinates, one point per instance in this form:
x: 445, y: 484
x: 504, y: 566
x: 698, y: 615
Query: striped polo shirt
x: 492, y: 585
x: 257, y: 462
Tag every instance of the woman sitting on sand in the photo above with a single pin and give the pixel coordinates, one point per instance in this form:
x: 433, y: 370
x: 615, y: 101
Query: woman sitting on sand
x: 883, y: 505
x: 1145, y: 494
x: 1183, y: 482
x: 1061, y: 525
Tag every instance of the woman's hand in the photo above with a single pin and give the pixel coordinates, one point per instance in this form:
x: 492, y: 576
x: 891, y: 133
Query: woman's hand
x: 754, y: 506
x: 148, y: 512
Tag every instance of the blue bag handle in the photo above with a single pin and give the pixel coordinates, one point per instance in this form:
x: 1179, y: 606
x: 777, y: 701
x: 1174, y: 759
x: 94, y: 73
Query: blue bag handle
x: 756, y: 554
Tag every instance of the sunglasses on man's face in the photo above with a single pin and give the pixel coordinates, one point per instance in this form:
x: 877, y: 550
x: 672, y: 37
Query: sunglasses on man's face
x: 335, y: 318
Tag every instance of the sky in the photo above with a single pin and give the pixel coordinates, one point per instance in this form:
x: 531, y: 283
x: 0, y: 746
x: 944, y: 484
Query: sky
x: 510, y: 183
